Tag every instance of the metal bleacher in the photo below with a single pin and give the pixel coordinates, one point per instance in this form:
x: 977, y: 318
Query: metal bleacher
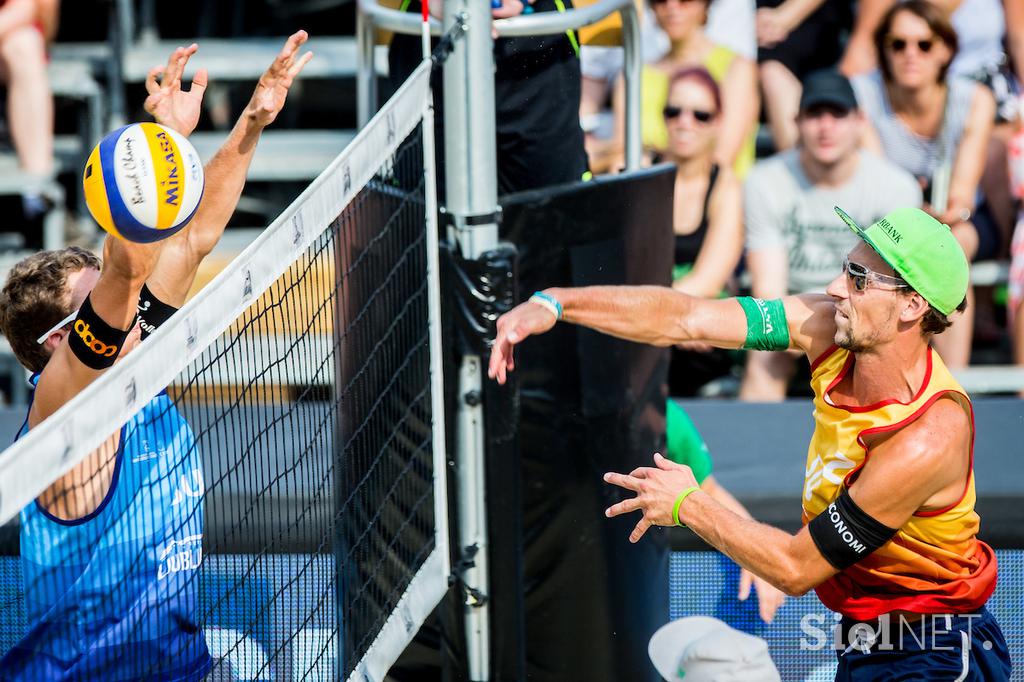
x: 93, y: 76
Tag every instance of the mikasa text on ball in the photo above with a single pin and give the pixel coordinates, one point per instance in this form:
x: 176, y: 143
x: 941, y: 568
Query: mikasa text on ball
x: 143, y: 182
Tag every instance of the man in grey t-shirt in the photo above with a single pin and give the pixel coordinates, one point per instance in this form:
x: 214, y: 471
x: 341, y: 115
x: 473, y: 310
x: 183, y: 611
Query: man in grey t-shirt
x: 795, y: 242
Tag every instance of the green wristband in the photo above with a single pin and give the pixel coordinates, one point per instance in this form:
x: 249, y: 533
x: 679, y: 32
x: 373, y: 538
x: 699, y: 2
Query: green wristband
x: 766, y: 324
x: 679, y: 500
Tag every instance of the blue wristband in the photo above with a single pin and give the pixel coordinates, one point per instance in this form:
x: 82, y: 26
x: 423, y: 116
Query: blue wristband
x: 550, y: 299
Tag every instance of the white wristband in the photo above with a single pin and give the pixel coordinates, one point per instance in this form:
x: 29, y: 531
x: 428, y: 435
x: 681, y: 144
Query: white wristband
x: 546, y: 304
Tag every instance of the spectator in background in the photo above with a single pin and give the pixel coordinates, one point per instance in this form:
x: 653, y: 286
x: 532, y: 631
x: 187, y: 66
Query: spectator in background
x: 536, y: 100
x: 730, y: 24
x: 1015, y: 304
x: 683, y: 22
x: 25, y: 26
x: 935, y: 127
x: 707, y: 212
x: 795, y: 37
x: 795, y: 240
x: 983, y: 28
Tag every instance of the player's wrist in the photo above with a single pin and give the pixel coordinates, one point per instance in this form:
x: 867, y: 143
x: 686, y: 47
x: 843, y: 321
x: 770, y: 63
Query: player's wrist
x: 678, y: 507
x: 549, y: 302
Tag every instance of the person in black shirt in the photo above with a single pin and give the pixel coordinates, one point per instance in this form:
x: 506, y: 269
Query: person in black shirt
x: 537, y: 100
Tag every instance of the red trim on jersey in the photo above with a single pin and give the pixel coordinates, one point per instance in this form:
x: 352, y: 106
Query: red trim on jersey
x: 882, y: 403
x: 824, y: 356
x: 851, y: 476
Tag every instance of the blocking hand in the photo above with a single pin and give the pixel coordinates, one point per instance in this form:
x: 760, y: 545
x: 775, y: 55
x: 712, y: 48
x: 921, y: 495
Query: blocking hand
x: 167, y: 103
x: 272, y: 89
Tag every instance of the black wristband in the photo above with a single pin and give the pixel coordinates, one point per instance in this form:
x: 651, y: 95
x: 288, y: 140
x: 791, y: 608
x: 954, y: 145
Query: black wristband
x: 844, y: 533
x: 93, y: 341
x: 152, y: 312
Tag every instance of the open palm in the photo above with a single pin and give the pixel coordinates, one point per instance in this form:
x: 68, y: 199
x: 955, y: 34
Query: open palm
x: 167, y: 102
x: 272, y: 90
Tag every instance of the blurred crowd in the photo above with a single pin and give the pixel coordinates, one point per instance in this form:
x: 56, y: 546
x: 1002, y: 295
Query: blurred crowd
x: 774, y: 111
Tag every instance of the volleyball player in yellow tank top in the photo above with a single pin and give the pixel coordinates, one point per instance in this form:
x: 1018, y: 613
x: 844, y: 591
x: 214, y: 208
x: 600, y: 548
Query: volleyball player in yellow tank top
x: 890, y: 532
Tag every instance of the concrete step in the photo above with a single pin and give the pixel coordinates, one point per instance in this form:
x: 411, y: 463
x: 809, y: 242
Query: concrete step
x: 284, y: 155
x: 226, y: 59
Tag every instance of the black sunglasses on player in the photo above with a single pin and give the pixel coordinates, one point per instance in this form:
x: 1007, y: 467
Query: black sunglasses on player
x: 699, y: 115
x: 900, y: 44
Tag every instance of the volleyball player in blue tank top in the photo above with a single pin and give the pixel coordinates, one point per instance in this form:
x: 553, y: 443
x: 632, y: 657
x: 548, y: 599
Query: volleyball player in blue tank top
x: 111, y: 551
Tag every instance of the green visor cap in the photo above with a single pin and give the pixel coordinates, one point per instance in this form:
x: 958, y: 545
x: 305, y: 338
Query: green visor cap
x: 922, y: 251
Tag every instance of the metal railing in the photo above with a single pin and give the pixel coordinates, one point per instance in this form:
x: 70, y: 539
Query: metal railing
x: 372, y: 16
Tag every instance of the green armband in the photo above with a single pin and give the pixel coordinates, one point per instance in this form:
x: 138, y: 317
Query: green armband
x: 766, y: 324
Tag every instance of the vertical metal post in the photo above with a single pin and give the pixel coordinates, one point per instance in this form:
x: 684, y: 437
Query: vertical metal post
x: 472, y: 203
x: 366, y: 70
x: 118, y: 28
x: 437, y: 407
x: 633, y: 66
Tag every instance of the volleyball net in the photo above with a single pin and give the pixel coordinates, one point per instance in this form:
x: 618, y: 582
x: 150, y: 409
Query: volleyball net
x: 281, y: 453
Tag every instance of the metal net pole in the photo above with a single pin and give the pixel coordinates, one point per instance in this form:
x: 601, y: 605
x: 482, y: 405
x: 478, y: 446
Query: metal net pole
x: 472, y: 204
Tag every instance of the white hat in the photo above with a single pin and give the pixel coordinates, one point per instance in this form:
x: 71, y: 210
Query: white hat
x: 705, y: 649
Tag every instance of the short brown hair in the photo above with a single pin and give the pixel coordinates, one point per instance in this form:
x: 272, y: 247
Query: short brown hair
x: 34, y: 299
x: 935, y: 322
x: 933, y: 15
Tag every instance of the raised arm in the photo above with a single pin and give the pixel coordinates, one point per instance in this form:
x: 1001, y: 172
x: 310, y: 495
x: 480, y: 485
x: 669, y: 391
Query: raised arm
x: 969, y: 163
x: 126, y: 266
x: 923, y: 466
x: 226, y: 171
x: 860, y: 50
x: 658, y: 316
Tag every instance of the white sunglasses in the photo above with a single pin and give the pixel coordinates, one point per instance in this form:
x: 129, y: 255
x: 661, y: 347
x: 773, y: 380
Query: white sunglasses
x: 57, y: 327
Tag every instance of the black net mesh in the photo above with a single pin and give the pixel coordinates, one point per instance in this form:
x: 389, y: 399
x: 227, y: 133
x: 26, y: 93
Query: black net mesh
x: 272, y: 506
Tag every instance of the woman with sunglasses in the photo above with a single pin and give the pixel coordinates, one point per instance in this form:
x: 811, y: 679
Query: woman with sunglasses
x: 707, y: 212
x: 936, y: 127
x: 683, y: 23
x: 707, y: 215
x: 990, y: 36
x: 708, y: 226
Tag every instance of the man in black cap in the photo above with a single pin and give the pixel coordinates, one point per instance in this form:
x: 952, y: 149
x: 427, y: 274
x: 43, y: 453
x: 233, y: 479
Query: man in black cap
x: 795, y: 242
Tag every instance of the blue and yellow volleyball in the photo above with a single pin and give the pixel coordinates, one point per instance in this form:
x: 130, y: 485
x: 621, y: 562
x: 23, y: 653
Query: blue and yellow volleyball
x: 143, y: 182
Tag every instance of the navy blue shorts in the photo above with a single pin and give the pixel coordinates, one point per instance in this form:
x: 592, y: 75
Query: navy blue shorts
x: 967, y: 647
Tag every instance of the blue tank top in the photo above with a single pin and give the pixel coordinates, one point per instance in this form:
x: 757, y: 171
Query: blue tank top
x: 114, y: 595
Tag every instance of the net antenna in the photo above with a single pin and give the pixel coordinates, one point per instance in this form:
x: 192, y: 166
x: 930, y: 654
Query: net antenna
x: 309, y: 372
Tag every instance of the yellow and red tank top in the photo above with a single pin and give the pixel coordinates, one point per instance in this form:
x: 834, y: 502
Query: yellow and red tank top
x: 935, y: 562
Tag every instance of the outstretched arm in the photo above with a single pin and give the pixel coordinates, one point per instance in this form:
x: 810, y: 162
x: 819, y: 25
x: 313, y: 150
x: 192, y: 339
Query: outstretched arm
x: 658, y: 316
x: 769, y: 597
x: 226, y: 171
x: 923, y: 466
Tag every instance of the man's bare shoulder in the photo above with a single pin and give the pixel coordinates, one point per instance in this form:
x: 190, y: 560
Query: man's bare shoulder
x: 812, y: 322
x: 936, y: 438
